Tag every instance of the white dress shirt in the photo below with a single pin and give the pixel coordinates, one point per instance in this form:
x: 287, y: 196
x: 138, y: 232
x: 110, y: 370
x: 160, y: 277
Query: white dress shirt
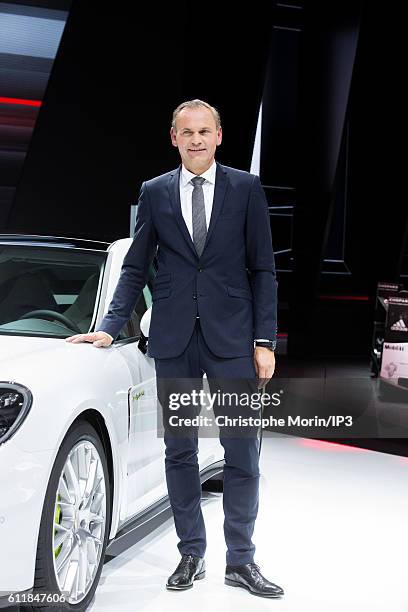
x: 186, y: 193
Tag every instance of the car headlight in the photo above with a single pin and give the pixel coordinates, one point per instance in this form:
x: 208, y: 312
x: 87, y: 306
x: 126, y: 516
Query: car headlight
x: 15, y: 403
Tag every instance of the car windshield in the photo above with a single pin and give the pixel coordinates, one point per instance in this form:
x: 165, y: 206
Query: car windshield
x: 48, y: 291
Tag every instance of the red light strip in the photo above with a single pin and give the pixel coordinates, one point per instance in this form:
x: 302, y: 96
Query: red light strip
x: 360, y: 298
x: 20, y: 101
x: 333, y: 446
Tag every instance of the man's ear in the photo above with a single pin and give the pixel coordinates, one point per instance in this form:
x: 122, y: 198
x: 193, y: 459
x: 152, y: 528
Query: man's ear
x: 173, y: 137
x: 219, y: 137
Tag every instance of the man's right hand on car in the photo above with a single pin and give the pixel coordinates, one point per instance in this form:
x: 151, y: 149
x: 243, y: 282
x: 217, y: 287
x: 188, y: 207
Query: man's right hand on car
x: 99, y: 338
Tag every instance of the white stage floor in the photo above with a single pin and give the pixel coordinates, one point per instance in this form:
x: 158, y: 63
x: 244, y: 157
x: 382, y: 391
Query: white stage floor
x: 332, y: 530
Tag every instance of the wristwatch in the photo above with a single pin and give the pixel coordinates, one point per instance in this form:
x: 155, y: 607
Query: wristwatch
x: 270, y: 344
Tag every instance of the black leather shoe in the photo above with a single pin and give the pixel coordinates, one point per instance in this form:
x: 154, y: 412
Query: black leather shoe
x: 189, y: 569
x: 249, y: 577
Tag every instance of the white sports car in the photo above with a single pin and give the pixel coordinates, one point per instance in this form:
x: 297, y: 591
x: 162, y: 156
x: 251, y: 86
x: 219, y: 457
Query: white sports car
x: 80, y: 459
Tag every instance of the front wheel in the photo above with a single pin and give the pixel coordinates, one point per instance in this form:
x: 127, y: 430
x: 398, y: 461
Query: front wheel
x: 75, y: 522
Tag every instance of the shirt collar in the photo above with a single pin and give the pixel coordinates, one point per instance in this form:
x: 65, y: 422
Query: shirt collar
x: 209, y: 174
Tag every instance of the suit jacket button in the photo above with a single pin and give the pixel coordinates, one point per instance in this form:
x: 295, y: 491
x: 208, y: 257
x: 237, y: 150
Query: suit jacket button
x: 194, y: 296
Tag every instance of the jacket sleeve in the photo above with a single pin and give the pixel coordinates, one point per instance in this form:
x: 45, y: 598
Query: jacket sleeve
x: 135, y: 269
x: 260, y: 262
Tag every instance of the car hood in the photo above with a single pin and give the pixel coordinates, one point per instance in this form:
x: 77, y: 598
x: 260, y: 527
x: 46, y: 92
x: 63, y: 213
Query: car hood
x: 15, y: 347
x: 31, y: 361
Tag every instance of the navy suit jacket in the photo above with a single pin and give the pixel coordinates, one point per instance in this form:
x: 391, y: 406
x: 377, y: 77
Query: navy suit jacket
x: 232, y: 286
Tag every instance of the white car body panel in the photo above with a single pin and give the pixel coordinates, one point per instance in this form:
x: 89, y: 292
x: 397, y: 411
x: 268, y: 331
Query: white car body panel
x: 116, y: 254
x: 23, y: 481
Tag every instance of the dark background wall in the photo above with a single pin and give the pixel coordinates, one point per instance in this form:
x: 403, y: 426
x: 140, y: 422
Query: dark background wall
x: 328, y: 94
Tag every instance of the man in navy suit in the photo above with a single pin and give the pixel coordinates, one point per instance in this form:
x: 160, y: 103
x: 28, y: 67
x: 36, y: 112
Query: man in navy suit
x: 214, y: 311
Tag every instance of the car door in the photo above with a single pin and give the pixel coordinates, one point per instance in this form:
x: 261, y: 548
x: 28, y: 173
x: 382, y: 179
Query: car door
x: 145, y: 453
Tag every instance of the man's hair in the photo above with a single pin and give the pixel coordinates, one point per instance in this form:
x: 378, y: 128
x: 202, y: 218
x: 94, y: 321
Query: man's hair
x: 196, y: 104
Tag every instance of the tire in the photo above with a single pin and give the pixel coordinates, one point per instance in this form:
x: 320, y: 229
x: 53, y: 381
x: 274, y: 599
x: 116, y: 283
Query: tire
x: 82, y: 441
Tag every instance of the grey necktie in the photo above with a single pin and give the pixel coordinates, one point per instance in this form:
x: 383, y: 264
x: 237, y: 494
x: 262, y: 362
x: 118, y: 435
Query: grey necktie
x: 198, y: 210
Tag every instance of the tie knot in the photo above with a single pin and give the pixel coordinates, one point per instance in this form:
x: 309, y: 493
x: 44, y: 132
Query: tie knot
x: 198, y: 181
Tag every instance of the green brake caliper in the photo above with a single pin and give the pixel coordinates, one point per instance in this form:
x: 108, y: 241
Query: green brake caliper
x: 58, y: 516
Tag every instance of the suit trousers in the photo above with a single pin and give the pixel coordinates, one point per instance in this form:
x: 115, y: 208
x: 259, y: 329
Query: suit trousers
x: 241, y: 453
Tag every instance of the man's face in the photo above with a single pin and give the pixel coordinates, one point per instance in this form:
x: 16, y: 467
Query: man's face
x: 196, y: 136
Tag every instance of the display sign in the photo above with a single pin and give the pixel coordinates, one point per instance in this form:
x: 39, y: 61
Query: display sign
x: 394, y: 363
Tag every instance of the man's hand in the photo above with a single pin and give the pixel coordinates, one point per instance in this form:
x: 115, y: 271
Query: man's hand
x: 264, y: 361
x: 99, y: 339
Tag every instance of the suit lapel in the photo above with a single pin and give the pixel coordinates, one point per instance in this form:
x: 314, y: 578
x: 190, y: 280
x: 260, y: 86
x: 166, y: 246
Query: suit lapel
x: 174, y: 193
x: 221, y: 184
